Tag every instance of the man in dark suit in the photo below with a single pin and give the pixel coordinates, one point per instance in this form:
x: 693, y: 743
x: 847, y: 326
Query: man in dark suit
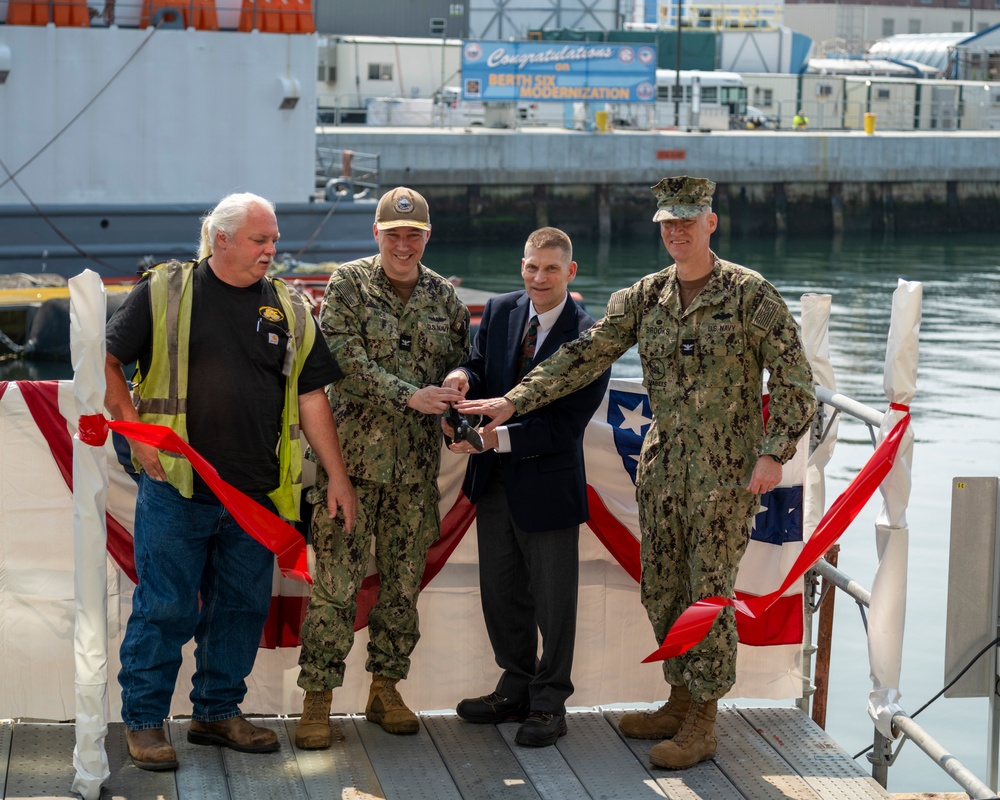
x: 530, y: 491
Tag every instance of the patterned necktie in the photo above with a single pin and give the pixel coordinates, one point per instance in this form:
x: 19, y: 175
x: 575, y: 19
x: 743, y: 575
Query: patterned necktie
x: 528, y: 345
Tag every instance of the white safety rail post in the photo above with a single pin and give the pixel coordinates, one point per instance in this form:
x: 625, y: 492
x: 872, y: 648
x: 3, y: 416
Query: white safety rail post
x: 88, y: 305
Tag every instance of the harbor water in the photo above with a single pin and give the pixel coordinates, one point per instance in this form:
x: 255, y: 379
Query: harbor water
x: 955, y: 423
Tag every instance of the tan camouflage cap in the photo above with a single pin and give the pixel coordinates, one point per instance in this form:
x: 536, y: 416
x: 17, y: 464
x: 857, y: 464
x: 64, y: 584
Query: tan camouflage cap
x: 402, y: 207
x: 682, y: 197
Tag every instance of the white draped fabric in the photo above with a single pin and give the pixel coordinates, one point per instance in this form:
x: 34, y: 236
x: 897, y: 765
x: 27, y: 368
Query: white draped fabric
x: 90, y: 491
x: 887, y: 613
x: 816, y: 340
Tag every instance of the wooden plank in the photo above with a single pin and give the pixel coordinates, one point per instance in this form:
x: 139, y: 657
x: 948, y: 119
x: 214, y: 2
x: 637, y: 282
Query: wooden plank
x: 343, y: 771
x: 479, y: 760
x: 831, y: 772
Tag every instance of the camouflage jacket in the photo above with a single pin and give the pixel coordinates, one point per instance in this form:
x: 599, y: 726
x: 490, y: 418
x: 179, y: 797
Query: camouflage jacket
x: 387, y: 351
x: 703, y: 370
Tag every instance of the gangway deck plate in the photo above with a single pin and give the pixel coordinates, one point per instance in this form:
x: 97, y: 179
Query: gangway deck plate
x: 593, y: 759
x: 763, y: 753
x: 813, y: 754
x: 703, y: 781
x: 478, y: 759
x: 326, y: 773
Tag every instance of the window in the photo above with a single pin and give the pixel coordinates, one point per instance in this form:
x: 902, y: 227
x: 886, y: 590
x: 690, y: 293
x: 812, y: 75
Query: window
x: 709, y: 94
x: 913, y: 26
x: 666, y: 93
x: 824, y: 90
x: 881, y: 94
x: 764, y: 98
x: 888, y: 27
x: 380, y: 72
x: 957, y: 27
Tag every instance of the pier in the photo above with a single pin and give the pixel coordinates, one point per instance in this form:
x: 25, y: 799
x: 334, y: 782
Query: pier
x: 486, y: 182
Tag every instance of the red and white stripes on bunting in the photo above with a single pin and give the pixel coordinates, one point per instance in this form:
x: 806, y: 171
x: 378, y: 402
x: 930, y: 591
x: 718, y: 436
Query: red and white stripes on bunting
x: 770, y: 645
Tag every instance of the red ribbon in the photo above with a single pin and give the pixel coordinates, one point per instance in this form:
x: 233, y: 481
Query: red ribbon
x: 266, y: 527
x: 93, y: 430
x: 693, y: 625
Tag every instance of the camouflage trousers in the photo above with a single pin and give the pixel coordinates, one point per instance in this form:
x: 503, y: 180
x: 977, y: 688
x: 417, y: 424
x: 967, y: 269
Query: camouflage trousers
x: 691, y: 549
x: 403, y: 519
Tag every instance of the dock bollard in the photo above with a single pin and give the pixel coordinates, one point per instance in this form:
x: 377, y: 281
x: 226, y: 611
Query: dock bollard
x: 869, y: 123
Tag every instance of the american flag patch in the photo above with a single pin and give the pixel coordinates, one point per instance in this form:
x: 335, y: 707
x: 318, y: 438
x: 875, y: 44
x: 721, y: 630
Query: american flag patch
x: 347, y: 291
x: 616, y: 304
x: 766, y: 314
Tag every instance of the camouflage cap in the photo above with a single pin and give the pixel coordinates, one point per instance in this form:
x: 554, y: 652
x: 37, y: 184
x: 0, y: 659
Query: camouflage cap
x: 682, y: 197
x: 402, y: 207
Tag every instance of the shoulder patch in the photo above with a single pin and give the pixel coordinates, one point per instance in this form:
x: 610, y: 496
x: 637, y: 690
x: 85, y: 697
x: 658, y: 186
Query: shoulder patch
x: 616, y: 304
x: 345, y: 288
x: 766, y: 314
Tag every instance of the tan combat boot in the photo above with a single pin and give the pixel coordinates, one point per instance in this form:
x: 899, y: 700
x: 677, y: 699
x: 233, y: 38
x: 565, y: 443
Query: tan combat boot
x: 662, y: 723
x: 694, y: 742
x: 386, y: 708
x: 313, y: 730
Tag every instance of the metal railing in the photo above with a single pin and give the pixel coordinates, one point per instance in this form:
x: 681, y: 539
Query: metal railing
x: 347, y: 173
x: 882, y: 755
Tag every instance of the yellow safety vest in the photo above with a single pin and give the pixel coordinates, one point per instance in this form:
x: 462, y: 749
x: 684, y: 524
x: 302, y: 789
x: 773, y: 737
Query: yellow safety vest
x: 161, y: 394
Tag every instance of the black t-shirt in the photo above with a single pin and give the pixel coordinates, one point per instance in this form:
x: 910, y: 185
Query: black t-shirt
x: 235, y: 387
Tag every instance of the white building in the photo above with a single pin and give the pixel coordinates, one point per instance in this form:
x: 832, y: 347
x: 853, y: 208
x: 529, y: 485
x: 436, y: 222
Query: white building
x: 839, y: 28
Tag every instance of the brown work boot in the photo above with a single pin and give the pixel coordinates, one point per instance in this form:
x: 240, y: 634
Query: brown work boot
x: 694, y: 742
x: 387, y: 708
x: 313, y: 730
x: 150, y: 749
x: 664, y: 722
x: 235, y: 733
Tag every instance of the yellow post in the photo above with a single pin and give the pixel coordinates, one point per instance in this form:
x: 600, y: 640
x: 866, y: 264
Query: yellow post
x: 869, y: 123
x: 601, y: 119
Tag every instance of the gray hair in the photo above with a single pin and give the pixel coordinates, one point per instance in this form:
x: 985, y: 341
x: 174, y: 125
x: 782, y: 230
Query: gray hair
x: 228, y: 216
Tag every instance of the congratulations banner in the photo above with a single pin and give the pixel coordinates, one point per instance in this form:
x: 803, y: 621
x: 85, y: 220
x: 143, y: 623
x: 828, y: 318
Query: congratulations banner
x: 558, y: 72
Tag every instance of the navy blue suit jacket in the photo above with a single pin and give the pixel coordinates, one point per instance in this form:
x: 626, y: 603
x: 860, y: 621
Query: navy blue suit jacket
x: 544, y: 473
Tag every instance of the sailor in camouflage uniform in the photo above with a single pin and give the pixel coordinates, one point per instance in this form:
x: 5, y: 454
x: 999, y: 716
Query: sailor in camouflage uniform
x: 397, y: 329
x: 706, y: 329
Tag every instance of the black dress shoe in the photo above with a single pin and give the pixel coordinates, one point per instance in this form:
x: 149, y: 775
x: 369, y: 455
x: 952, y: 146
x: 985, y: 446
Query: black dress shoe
x: 541, y: 729
x: 492, y: 708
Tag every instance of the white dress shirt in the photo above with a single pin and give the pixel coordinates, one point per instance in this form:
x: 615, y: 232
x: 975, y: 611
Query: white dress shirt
x: 545, y: 322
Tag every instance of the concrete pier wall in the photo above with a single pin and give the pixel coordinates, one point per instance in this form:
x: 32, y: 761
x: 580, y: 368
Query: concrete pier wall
x: 493, y: 183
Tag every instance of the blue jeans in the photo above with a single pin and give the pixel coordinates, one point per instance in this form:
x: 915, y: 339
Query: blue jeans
x: 184, y: 548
